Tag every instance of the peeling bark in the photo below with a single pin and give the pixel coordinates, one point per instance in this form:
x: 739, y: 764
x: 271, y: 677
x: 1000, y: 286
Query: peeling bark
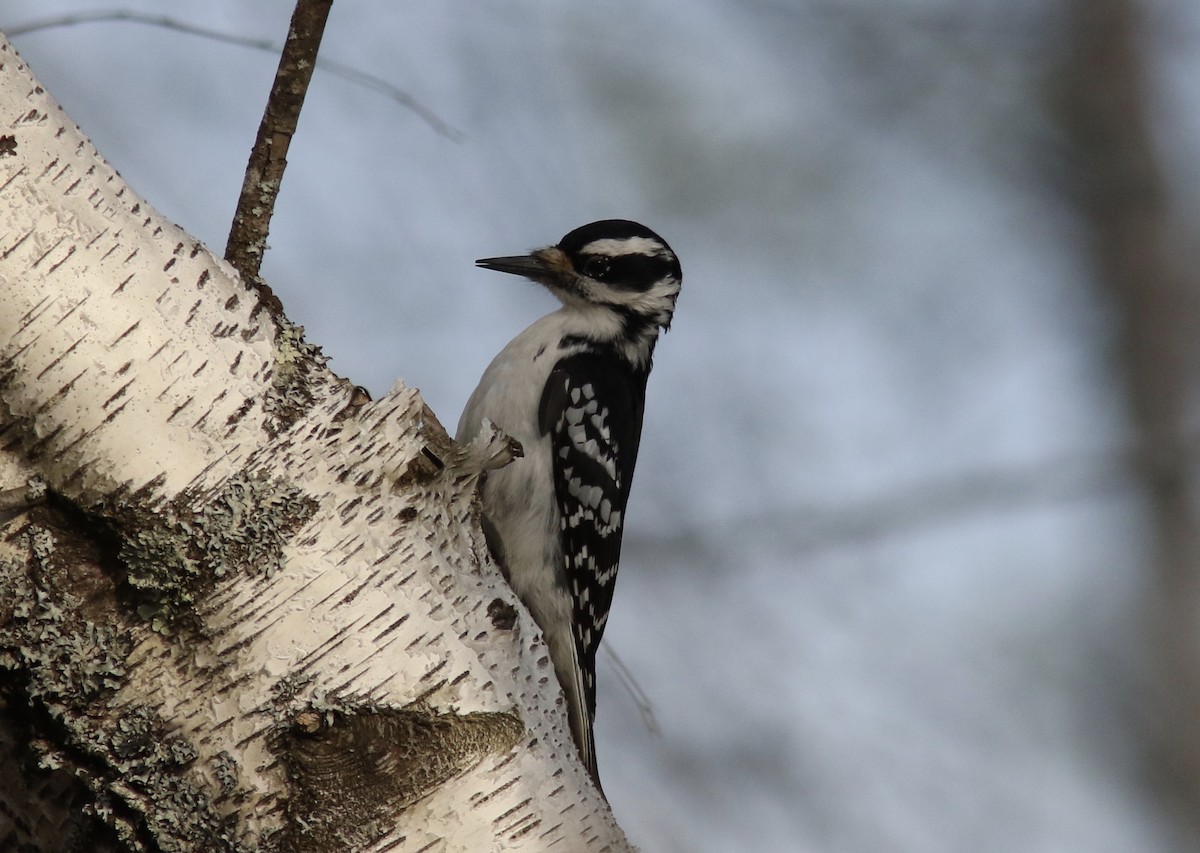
x: 254, y: 609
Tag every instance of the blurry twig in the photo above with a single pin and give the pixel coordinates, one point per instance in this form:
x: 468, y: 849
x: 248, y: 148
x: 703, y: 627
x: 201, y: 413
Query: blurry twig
x: 378, y: 84
x: 924, y: 505
x: 346, y: 72
x: 640, y: 699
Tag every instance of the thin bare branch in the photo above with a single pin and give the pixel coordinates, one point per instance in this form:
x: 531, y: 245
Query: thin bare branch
x: 923, y: 505
x: 395, y: 93
x: 268, y: 159
x: 627, y: 680
x: 347, y: 72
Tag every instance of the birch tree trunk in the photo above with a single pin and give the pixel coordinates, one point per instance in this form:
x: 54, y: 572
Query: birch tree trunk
x: 242, y: 606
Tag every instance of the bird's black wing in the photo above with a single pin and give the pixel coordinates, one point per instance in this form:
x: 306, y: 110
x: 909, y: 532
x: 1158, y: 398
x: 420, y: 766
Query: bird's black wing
x: 592, y: 410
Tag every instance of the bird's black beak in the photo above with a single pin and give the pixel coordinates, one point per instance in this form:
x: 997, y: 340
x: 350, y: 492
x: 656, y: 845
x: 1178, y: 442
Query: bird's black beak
x: 527, y: 265
x: 549, y: 266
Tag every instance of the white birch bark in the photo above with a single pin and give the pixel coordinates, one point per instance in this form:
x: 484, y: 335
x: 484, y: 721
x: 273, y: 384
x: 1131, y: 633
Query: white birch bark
x: 255, y: 610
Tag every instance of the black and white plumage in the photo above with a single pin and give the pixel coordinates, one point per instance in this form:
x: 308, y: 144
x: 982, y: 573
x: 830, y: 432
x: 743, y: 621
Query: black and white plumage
x: 571, y: 388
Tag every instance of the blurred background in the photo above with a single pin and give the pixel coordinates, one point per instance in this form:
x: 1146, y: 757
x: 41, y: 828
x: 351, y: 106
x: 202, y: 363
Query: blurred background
x: 913, y: 559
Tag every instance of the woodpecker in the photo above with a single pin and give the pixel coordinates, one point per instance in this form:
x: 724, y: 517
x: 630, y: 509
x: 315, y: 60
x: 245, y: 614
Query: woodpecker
x: 571, y: 389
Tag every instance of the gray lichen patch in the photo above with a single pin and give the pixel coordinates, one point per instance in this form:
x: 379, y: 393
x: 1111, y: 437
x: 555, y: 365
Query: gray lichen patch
x: 352, y: 772
x: 154, y: 792
x: 63, y: 658
x: 61, y: 666
x: 297, y: 368
x: 144, y: 786
x: 172, y: 554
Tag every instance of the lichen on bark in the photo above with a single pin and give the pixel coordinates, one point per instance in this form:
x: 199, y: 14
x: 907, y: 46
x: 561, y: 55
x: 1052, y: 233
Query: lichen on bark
x: 171, y: 553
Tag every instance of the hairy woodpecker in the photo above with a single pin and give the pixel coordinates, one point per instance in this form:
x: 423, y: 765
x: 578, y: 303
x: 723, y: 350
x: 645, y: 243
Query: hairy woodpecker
x: 571, y: 388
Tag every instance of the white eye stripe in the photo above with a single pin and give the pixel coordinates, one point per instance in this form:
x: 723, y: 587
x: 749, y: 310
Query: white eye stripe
x: 614, y: 248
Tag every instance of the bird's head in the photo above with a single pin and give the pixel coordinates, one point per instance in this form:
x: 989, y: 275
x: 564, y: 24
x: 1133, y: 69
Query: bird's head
x: 619, y: 272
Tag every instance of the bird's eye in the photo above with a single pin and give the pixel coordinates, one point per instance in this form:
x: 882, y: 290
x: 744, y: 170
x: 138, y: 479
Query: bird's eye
x: 596, y: 267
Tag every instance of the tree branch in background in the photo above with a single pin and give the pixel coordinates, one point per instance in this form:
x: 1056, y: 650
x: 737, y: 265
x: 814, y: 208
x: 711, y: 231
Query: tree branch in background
x: 339, y: 69
x: 268, y: 159
x: 1141, y: 254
